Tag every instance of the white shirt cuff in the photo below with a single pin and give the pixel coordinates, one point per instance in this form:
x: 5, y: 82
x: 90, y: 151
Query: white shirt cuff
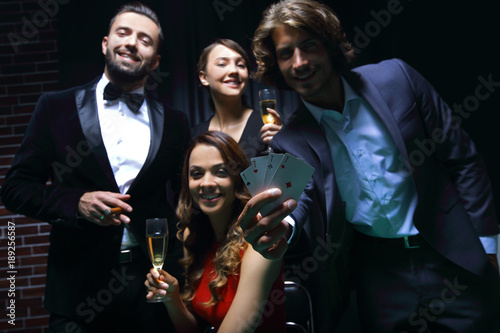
x: 290, y: 221
x: 490, y: 243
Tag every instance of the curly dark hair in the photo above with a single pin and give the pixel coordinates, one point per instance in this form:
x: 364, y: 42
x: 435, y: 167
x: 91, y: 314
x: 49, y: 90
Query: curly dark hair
x: 201, y: 236
x: 311, y: 16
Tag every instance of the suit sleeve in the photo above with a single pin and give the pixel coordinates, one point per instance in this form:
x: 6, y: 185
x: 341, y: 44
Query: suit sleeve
x: 456, y: 153
x: 25, y: 189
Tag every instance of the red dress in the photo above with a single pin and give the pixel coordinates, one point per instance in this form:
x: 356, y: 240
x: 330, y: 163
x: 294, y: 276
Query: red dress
x: 273, y: 316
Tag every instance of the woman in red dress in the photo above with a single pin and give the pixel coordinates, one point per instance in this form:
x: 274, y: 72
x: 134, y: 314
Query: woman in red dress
x: 228, y: 284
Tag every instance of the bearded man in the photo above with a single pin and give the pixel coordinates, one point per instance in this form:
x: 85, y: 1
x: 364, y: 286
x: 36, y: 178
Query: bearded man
x: 96, y: 162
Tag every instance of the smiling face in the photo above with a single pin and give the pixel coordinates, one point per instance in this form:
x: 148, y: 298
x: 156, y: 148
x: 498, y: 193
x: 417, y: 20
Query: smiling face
x: 305, y: 64
x: 210, y: 184
x: 226, y: 72
x: 131, y: 49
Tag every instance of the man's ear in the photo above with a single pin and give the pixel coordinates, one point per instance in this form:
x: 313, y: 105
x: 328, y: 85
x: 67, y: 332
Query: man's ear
x: 104, y: 45
x: 156, y: 63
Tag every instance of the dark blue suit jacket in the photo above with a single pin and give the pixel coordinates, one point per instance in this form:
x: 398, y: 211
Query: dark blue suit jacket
x: 63, y: 145
x: 455, y: 203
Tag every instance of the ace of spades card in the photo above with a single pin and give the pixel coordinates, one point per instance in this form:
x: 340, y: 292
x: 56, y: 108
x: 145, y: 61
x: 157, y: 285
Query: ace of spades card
x: 283, y: 171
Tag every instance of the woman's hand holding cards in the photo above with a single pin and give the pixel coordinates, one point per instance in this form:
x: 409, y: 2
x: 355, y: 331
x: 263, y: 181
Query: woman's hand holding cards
x: 267, y: 233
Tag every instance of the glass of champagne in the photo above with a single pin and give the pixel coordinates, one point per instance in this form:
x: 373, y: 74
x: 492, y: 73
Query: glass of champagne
x: 157, y: 237
x: 267, y: 99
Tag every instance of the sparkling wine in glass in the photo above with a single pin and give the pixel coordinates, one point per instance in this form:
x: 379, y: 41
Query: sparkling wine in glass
x: 157, y: 237
x: 267, y: 99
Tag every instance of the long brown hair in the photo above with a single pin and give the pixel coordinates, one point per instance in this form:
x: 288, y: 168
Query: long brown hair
x: 201, y: 236
x: 311, y: 16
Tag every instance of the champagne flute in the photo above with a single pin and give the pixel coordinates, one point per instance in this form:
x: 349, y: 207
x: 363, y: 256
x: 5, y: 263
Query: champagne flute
x: 157, y: 237
x: 267, y: 99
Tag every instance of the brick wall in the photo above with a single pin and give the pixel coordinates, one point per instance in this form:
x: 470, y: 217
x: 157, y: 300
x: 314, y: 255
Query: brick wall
x: 28, y: 68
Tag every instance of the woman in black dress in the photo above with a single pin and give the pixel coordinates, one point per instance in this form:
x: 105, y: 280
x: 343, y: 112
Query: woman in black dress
x: 223, y: 68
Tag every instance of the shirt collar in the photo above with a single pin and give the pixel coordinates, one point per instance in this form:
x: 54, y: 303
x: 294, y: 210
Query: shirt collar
x: 316, y: 111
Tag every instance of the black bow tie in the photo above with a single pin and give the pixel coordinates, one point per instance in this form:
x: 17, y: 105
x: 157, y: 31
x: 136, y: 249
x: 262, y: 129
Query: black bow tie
x: 134, y: 101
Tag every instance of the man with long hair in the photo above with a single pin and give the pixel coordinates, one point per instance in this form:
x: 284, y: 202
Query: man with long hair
x: 424, y: 229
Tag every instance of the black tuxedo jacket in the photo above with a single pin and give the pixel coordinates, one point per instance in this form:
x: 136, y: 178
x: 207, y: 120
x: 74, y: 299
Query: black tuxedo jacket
x: 63, y: 146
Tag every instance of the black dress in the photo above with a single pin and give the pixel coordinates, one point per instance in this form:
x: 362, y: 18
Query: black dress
x: 250, y: 141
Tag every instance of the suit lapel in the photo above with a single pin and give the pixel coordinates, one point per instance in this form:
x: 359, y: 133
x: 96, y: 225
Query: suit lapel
x: 315, y: 138
x: 86, y: 106
x: 372, y: 95
x: 156, y: 122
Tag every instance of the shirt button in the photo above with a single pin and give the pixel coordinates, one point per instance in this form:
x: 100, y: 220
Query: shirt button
x: 373, y: 177
x: 360, y: 152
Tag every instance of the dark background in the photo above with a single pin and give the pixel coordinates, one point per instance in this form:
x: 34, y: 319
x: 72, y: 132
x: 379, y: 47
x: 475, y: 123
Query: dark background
x: 452, y: 43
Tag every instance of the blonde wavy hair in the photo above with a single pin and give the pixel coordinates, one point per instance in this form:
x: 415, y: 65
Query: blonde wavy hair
x: 201, y: 237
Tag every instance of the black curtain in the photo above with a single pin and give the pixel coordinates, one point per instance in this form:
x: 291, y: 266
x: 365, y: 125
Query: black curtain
x: 188, y: 27
x: 454, y: 44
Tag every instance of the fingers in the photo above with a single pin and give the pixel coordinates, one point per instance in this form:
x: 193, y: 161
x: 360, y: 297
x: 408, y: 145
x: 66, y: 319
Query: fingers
x: 155, y: 287
x: 100, y: 219
x: 270, y: 128
x: 155, y: 282
x: 276, y: 116
x: 270, y: 228
x: 104, y: 208
x: 115, y: 213
x: 266, y: 234
x: 268, y: 135
x: 266, y: 240
x: 161, y: 283
x: 265, y: 226
x: 248, y: 217
x: 114, y: 210
x: 162, y: 276
x: 154, y: 273
x: 277, y: 251
x: 268, y: 131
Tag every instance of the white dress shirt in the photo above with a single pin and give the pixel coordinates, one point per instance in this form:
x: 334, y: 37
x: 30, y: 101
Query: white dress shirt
x: 127, y: 137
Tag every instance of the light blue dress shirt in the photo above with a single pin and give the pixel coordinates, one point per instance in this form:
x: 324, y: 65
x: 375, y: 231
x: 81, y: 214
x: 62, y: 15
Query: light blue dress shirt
x: 380, y: 197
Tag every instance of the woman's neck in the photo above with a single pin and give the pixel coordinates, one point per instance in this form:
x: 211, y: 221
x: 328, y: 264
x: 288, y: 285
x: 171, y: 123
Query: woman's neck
x: 230, y: 117
x: 219, y: 226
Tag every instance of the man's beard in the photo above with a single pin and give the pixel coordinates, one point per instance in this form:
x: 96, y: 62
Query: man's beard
x: 123, y: 73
